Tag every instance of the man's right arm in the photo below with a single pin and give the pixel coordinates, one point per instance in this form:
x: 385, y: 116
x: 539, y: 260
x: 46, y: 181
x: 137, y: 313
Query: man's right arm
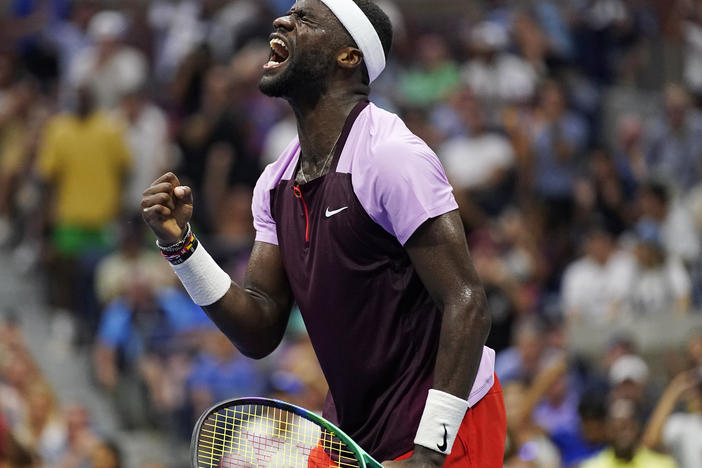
x: 253, y: 316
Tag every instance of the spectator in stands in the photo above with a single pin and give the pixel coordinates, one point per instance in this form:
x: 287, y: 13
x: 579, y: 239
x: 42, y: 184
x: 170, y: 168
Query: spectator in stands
x: 674, y: 140
x: 608, y: 195
x: 594, y: 286
x: 432, y: 76
x: 136, y: 344
x: 558, y: 141
x: 113, y: 273
x: 524, y: 359
x: 658, y: 283
x: 629, y: 379
x: 479, y: 165
x: 679, y: 432
x: 588, y: 438
x: 497, y: 77
x: 17, y: 376
x: 213, y: 144
x: 83, y: 156
x: 629, y: 153
x: 21, y: 121
x: 678, y: 232
x: 146, y: 131
x: 109, y: 68
x: 623, y: 434
x: 220, y: 372
x: 527, y: 444
x: 80, y: 441
x: 43, y: 431
x: 70, y: 35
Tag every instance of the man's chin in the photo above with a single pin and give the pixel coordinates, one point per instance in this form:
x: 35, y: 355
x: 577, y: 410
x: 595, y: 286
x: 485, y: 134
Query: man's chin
x: 272, y: 86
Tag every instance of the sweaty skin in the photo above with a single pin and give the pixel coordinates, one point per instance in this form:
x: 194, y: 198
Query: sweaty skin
x: 254, y: 315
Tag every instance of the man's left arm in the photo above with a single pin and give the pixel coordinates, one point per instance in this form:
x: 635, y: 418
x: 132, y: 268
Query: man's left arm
x: 439, y: 253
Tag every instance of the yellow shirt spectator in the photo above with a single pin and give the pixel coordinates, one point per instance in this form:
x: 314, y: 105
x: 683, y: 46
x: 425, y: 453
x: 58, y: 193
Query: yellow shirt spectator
x: 644, y: 458
x: 85, y: 161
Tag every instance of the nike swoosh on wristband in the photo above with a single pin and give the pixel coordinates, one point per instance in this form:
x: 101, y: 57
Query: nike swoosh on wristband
x: 329, y: 214
x: 443, y: 446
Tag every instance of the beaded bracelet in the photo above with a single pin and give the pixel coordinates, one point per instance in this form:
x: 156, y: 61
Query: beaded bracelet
x: 169, y: 249
x: 185, y: 252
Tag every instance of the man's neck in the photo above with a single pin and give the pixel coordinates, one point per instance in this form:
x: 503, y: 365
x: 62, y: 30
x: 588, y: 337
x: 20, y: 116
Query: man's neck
x: 320, y: 124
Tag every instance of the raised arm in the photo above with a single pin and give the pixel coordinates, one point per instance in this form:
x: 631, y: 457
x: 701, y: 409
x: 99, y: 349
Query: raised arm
x: 254, y: 315
x: 653, y: 433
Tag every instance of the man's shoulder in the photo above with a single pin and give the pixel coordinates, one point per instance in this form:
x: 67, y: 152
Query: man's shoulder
x: 380, y: 141
x: 388, y: 132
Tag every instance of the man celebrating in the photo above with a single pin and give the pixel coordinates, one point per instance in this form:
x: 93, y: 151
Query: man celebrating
x: 357, y: 224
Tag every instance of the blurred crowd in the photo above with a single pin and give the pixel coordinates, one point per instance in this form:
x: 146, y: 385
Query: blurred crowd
x: 571, y: 131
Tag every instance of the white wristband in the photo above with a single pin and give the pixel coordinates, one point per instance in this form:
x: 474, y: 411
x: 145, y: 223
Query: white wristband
x: 442, y: 417
x: 204, y: 280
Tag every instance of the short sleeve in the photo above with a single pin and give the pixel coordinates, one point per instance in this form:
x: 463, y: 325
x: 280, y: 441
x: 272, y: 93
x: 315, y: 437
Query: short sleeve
x: 261, y: 209
x: 404, y: 186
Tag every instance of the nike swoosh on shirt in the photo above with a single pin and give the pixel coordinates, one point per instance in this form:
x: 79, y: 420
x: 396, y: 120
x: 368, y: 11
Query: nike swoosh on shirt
x: 329, y: 214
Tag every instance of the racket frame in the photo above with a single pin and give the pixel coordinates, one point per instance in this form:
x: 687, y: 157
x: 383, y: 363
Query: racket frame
x: 364, y: 459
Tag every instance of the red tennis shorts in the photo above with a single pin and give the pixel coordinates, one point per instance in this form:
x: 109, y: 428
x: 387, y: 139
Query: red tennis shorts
x: 480, y: 442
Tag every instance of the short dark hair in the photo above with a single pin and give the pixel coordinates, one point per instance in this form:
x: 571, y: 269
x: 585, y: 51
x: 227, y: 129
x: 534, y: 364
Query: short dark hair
x: 380, y: 22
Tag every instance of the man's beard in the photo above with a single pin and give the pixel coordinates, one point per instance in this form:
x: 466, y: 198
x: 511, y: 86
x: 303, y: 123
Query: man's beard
x: 305, y: 76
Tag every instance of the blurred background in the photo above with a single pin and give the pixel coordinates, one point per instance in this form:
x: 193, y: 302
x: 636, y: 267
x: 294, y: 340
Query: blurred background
x: 571, y: 131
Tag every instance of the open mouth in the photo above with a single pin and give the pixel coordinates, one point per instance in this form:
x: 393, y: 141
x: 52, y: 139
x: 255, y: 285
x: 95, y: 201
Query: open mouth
x: 279, y: 54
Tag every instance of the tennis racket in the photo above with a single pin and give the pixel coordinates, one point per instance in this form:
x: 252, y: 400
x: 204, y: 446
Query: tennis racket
x: 265, y: 433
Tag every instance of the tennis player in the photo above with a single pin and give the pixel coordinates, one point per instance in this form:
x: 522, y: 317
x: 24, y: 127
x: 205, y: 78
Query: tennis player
x: 355, y: 222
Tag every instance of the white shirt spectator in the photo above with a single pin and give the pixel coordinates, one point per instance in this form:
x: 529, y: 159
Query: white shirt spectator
x: 682, y: 435
x: 507, y: 78
x: 123, y: 72
x: 679, y: 233
x: 659, y: 290
x: 593, y: 290
x: 109, y: 68
x: 470, y: 162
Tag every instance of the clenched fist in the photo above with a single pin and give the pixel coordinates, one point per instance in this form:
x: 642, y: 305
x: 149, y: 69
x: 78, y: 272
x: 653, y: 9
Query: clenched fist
x: 167, y: 207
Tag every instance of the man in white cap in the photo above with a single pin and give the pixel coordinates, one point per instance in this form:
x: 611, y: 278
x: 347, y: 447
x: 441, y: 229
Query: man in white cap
x: 356, y: 222
x: 109, y: 68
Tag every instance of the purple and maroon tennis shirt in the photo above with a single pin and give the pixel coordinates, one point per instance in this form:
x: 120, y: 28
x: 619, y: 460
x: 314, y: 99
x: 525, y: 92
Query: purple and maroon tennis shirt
x: 372, y: 323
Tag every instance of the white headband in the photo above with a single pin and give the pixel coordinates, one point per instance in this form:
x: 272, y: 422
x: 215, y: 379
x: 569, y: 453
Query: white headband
x: 362, y: 31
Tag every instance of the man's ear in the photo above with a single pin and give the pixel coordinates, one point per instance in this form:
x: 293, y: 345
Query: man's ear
x: 349, y: 58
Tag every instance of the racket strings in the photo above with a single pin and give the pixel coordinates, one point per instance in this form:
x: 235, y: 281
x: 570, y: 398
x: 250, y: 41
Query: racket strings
x: 253, y: 436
